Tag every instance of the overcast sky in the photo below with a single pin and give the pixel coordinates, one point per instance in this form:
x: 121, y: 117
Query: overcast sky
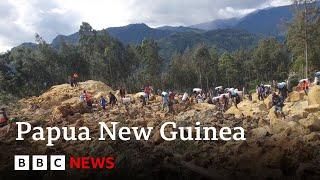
x: 21, y: 19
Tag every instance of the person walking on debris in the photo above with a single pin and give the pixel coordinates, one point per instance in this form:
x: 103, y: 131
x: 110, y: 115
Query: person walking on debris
x: 260, y: 92
x: 70, y: 80
x: 3, y: 117
x: 283, y: 90
x: 147, y: 90
x: 235, y: 98
x: 225, y: 102
x: 278, y: 103
x: 185, y: 97
x: 103, y: 102
x: 274, y: 85
x: 171, y: 101
x: 305, y: 86
x: 112, y: 99
x: 75, y: 79
x: 87, y: 98
x: 317, y: 78
x: 122, y: 92
x: 143, y: 100
x: 165, y: 100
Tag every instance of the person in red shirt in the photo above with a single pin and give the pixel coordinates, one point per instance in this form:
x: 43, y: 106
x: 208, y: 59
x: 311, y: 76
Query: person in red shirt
x: 3, y: 117
x: 305, y: 87
x: 87, y: 98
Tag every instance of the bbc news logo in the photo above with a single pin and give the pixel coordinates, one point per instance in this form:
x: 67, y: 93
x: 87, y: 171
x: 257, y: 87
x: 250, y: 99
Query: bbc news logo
x: 58, y: 162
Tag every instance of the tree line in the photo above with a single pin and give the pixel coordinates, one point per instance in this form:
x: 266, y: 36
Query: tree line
x: 28, y: 70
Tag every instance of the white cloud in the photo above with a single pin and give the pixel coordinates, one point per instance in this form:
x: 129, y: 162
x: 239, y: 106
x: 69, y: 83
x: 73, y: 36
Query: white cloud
x: 21, y: 19
x: 230, y: 12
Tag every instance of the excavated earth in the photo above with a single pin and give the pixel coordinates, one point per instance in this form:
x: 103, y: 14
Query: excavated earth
x: 275, y: 148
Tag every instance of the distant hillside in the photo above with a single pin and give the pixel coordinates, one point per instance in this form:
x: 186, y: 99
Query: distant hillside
x: 217, y: 24
x: 224, y: 39
x: 174, y: 39
x: 269, y: 22
x: 179, y: 29
x: 130, y: 34
x: 136, y: 33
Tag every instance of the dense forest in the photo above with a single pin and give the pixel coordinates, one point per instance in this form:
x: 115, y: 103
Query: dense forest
x: 29, y: 70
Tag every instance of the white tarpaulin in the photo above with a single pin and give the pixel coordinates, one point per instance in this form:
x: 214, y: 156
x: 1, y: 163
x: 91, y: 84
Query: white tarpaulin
x: 198, y: 90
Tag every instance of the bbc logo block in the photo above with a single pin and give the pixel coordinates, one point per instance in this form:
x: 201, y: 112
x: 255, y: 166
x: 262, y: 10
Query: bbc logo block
x: 39, y: 162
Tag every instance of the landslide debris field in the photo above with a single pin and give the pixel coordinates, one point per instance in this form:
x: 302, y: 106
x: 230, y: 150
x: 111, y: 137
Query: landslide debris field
x: 275, y: 147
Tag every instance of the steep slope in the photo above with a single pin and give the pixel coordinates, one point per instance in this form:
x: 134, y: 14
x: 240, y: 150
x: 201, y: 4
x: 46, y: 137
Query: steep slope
x: 217, y: 24
x: 270, y: 21
x: 136, y: 33
x: 223, y: 39
x: 180, y: 29
x: 130, y: 34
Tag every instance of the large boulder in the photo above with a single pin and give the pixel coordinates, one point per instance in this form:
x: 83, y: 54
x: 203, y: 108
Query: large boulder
x: 246, y: 108
x: 234, y: 111
x: 295, y: 96
x: 312, y: 108
x: 278, y: 124
x: 260, y: 132
x: 314, y: 95
x: 268, y: 101
x: 312, y: 122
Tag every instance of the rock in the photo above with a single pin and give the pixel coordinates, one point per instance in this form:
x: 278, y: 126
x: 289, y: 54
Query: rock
x: 312, y: 108
x: 268, y: 102
x: 255, y: 97
x: 156, y: 138
x: 314, y: 136
x: 314, y: 95
x: 234, y: 111
x: 259, y: 132
x: 311, y: 122
x: 203, y: 106
x: 295, y: 96
x: 277, y: 124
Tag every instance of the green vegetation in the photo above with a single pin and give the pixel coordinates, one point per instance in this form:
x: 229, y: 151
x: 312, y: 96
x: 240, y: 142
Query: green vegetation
x: 196, y: 59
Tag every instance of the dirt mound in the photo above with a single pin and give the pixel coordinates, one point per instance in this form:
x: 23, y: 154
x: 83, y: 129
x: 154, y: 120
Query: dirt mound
x: 60, y: 93
x: 275, y: 147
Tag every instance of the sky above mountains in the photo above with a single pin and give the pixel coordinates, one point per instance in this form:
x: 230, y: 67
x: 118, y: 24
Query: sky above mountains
x: 21, y: 19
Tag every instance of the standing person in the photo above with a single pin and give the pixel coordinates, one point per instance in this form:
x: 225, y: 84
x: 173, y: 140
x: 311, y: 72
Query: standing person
x: 283, y: 90
x: 185, y: 97
x: 70, y: 80
x: 3, y: 117
x: 225, y: 102
x: 103, y: 102
x: 143, y: 100
x: 122, y: 92
x: 317, y: 78
x: 171, y: 96
x: 278, y: 103
x: 165, y: 100
x: 112, y: 99
x: 87, y: 98
x: 274, y: 85
x: 260, y: 92
x: 75, y: 79
x: 305, y: 86
x: 147, y: 90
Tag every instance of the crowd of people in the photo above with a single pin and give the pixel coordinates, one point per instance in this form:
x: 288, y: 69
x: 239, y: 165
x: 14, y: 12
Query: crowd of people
x: 222, y: 97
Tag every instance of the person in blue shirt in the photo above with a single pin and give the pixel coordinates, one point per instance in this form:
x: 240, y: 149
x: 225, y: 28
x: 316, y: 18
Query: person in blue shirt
x: 103, y: 102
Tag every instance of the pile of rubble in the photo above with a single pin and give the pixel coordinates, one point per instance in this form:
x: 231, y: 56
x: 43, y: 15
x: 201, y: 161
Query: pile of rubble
x: 275, y: 147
